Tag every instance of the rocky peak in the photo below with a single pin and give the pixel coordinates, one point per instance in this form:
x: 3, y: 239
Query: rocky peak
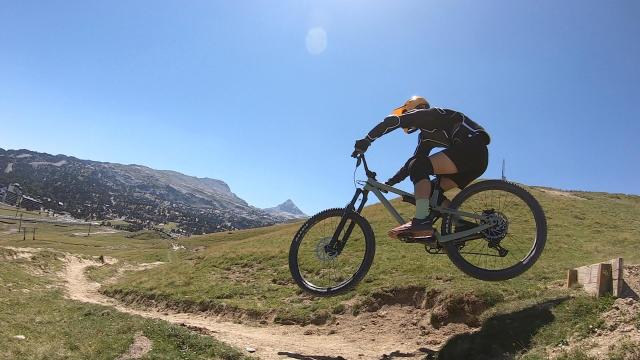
x: 287, y: 209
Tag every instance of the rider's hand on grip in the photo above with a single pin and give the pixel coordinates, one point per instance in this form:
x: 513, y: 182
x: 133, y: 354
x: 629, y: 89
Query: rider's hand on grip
x: 361, y: 147
x: 400, y: 175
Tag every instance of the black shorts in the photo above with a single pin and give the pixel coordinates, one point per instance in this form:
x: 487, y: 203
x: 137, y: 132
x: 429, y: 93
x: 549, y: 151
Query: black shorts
x: 471, y: 158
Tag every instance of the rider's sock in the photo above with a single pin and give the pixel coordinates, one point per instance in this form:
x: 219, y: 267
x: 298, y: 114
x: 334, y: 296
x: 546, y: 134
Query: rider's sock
x: 422, y: 208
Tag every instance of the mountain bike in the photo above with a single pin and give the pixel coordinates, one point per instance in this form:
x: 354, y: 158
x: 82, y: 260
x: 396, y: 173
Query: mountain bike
x: 333, y: 250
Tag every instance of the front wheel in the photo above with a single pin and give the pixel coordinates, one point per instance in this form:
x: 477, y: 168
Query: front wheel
x: 508, y: 248
x: 323, y: 266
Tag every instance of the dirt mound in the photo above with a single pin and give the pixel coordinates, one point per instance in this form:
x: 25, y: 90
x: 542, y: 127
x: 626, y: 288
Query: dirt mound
x: 139, y: 348
x: 404, y: 296
x: 457, y: 308
x: 445, y: 307
x: 631, y: 278
x: 212, y: 307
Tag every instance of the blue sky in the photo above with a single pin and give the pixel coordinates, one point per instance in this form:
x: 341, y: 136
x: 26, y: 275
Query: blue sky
x: 232, y: 90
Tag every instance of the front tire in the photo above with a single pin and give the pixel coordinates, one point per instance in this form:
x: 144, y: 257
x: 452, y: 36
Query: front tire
x: 320, y: 271
x: 521, y: 231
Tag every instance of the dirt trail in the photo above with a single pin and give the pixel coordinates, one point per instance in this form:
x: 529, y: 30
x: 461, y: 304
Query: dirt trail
x: 268, y: 341
x: 389, y: 331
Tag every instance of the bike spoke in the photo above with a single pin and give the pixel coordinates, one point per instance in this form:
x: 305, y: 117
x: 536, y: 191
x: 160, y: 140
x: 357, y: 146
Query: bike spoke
x: 327, y: 269
x: 517, y: 237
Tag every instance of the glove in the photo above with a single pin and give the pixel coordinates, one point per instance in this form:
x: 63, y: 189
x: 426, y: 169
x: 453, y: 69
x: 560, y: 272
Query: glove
x: 401, y: 174
x: 361, y: 147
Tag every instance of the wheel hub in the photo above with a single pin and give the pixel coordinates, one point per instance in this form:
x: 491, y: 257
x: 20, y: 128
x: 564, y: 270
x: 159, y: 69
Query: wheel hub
x: 500, y: 227
x: 324, y: 251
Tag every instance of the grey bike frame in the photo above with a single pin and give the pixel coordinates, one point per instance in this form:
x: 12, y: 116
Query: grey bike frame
x: 372, y: 185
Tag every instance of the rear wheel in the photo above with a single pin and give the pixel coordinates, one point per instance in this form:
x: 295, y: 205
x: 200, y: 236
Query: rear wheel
x: 508, y: 248
x: 324, y: 267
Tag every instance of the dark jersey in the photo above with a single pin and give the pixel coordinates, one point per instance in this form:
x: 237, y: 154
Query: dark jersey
x: 438, y: 128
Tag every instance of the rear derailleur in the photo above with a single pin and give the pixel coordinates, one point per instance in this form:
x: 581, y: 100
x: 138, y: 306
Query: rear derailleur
x: 495, y: 245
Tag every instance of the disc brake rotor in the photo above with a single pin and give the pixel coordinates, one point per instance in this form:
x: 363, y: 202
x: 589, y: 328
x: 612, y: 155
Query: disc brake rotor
x: 322, y: 250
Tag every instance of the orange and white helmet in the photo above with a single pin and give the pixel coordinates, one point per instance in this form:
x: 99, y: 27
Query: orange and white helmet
x: 415, y: 102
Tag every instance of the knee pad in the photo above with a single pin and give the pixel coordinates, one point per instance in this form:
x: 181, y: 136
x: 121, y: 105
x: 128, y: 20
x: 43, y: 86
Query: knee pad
x: 420, y: 168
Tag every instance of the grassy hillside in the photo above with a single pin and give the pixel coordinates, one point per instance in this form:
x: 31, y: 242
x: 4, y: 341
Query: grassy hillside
x: 248, y: 269
x: 245, y: 274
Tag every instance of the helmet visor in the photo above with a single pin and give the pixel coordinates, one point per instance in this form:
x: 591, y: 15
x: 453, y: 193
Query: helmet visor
x: 399, y: 111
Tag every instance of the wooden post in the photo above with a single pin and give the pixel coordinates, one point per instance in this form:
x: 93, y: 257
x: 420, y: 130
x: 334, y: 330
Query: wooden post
x: 89, y: 233
x: 572, y: 278
x: 24, y: 233
x: 617, y: 267
x: 34, y: 234
x: 20, y: 225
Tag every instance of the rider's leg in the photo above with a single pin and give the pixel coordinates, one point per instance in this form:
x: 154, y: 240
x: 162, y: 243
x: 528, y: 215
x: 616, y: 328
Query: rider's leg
x: 420, y: 169
x: 459, y: 223
x: 447, y: 184
x: 437, y: 163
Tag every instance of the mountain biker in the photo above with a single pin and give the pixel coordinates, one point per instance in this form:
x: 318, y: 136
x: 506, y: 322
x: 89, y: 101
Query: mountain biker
x: 464, y: 158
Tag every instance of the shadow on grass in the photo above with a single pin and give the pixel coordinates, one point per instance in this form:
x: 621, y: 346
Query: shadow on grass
x: 502, y: 336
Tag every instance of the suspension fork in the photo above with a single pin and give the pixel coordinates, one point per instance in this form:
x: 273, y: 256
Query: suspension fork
x: 336, y: 243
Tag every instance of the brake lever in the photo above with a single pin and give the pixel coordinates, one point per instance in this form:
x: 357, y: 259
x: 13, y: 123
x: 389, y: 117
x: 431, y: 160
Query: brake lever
x: 359, y: 161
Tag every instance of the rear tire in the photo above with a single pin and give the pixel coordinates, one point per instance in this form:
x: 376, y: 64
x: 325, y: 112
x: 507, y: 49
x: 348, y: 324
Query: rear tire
x: 529, y: 206
x: 313, y: 235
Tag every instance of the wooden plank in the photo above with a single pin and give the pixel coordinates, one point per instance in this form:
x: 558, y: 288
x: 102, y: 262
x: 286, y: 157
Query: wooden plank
x: 598, y: 279
x: 588, y: 278
x: 605, y: 281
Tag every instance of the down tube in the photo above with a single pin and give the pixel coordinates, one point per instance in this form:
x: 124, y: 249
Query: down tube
x: 388, y: 206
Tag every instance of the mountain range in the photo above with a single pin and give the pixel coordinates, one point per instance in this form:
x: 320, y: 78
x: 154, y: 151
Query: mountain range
x: 135, y: 193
